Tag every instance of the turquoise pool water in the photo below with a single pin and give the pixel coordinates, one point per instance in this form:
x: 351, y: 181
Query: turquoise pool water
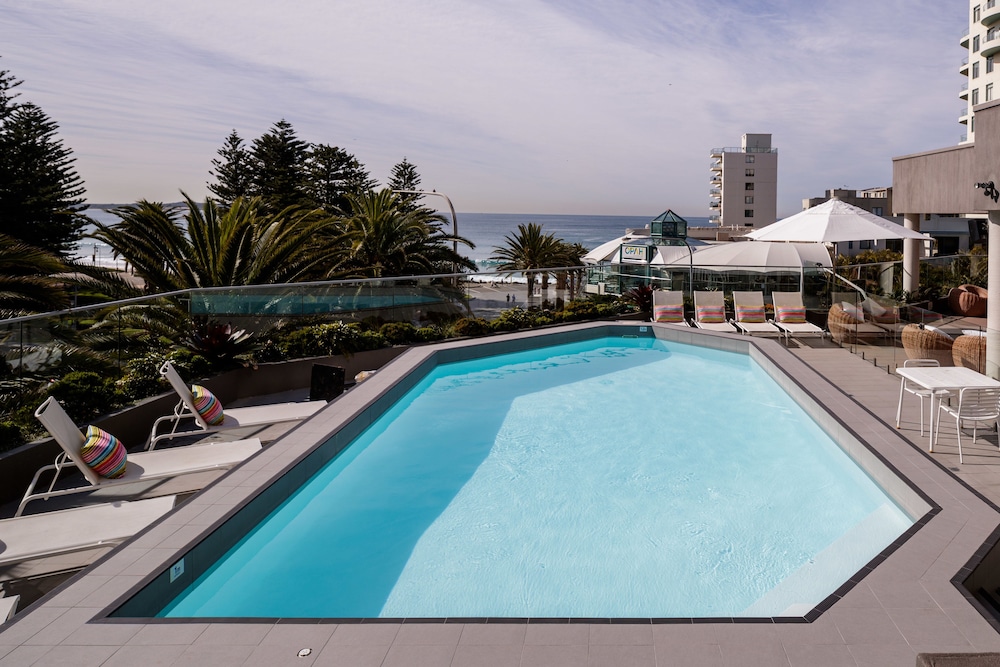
x: 611, y: 478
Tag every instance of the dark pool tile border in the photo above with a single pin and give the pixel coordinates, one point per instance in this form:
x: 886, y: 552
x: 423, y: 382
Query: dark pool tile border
x: 343, y: 430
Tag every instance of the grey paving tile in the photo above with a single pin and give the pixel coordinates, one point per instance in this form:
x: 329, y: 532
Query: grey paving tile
x: 314, y: 636
x: 351, y: 655
x: 928, y: 627
x: 557, y: 634
x: 608, y: 655
x: 147, y: 656
x: 279, y: 656
x: 233, y: 634
x: 754, y: 654
x: 822, y: 632
x: 670, y: 634
x: 688, y: 655
x: 483, y: 655
x: 819, y: 655
x: 202, y: 655
x: 493, y: 634
x: 102, y: 634
x: 75, y: 656
x: 62, y: 627
x: 374, y: 634
x: 615, y: 633
x: 420, y: 655
x: 866, y: 626
x: 23, y: 655
x: 554, y: 656
x: 168, y: 634
x: 428, y: 633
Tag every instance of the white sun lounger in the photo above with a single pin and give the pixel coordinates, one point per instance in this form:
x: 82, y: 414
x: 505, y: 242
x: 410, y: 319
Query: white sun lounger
x: 793, y: 329
x: 140, y: 467
x: 259, y: 415
x: 752, y: 299
x: 669, y: 298
x: 78, y: 529
x: 711, y: 299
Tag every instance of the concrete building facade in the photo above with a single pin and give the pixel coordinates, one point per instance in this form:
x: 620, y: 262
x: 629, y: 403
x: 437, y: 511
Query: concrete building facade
x: 982, y: 40
x: 744, y: 184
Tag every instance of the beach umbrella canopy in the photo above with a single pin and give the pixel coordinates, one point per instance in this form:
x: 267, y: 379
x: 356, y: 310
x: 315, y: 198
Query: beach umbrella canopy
x: 756, y: 256
x: 834, y: 221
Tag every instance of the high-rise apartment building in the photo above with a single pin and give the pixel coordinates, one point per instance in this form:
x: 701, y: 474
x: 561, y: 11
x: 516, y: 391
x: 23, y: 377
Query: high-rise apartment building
x: 744, y: 185
x: 982, y: 39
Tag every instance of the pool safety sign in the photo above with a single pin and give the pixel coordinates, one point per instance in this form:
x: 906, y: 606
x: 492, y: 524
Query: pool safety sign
x: 638, y: 253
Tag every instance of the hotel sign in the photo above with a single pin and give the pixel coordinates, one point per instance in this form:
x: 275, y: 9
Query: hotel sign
x: 637, y: 253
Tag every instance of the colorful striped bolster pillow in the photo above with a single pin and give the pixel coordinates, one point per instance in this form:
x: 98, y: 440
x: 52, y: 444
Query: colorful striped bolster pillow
x: 103, y: 453
x: 750, y: 314
x: 668, y: 313
x: 792, y: 314
x: 712, y: 314
x: 207, y: 405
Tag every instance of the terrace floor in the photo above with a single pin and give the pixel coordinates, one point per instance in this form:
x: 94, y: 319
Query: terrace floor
x: 905, y: 606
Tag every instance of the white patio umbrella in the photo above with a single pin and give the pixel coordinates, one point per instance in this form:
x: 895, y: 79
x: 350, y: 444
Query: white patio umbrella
x: 758, y: 256
x: 834, y: 221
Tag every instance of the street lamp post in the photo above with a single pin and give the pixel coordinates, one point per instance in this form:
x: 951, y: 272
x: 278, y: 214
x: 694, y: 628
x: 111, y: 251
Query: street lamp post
x: 454, y: 218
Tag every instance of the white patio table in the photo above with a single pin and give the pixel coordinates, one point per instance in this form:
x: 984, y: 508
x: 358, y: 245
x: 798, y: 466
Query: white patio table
x: 943, y: 379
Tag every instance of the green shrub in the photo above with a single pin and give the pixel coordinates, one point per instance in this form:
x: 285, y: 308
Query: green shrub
x: 11, y: 435
x: 85, y: 395
x: 470, y: 326
x: 398, y: 333
x: 329, y: 339
x: 513, y: 319
x: 429, y: 334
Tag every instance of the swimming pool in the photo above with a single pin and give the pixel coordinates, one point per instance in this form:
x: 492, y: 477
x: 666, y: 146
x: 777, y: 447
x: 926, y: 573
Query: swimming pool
x: 624, y: 477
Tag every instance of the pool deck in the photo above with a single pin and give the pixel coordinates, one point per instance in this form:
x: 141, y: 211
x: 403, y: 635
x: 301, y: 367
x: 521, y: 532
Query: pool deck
x: 905, y: 605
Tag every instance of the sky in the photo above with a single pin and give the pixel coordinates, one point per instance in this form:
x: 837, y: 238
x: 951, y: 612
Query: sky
x: 518, y: 106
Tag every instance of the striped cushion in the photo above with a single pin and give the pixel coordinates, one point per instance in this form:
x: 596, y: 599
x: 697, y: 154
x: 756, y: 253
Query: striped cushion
x: 104, y: 453
x: 668, y: 313
x: 750, y: 314
x: 791, y: 314
x: 207, y: 405
x: 712, y: 314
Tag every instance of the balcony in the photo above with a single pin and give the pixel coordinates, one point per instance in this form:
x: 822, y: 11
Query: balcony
x: 964, y: 67
x: 717, y: 166
x: 714, y: 205
x: 715, y: 192
x: 964, y: 42
x: 964, y: 93
x: 717, y: 153
x: 991, y: 44
x: 991, y: 13
x: 963, y: 117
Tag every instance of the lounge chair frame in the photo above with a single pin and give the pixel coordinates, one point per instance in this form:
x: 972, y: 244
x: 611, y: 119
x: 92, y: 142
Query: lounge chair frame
x: 707, y: 298
x: 792, y: 329
x: 184, y: 411
x: 141, y: 467
x: 750, y: 328
x: 669, y: 298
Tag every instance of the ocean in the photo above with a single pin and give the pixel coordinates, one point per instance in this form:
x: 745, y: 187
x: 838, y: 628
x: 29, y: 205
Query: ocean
x: 485, y: 230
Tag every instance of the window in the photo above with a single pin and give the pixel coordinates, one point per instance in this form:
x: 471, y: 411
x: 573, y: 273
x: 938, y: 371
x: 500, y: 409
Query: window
x: 975, y: 70
x: 865, y: 245
x: 975, y: 14
x: 989, y: 64
x: 877, y: 210
x: 975, y: 44
x: 975, y: 96
x: 989, y: 92
x: 750, y: 159
x: 749, y: 186
x: 749, y: 173
x: 748, y: 213
x: 748, y: 200
x: 850, y: 245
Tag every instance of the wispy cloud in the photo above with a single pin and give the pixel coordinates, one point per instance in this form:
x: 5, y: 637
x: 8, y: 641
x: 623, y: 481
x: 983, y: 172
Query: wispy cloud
x: 566, y: 106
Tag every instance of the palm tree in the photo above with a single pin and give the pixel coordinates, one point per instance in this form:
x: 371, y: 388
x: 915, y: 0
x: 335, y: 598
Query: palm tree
x: 27, y: 282
x: 529, y: 250
x: 216, y: 247
x: 383, y: 238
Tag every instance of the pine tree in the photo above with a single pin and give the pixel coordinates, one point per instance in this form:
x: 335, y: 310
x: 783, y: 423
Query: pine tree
x: 232, y: 171
x: 278, y: 161
x: 404, y: 176
x: 41, y: 195
x: 333, y: 175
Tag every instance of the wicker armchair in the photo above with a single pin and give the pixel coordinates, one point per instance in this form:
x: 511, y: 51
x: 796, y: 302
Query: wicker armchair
x: 927, y: 343
x: 846, y: 328
x: 970, y: 352
x: 968, y: 300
